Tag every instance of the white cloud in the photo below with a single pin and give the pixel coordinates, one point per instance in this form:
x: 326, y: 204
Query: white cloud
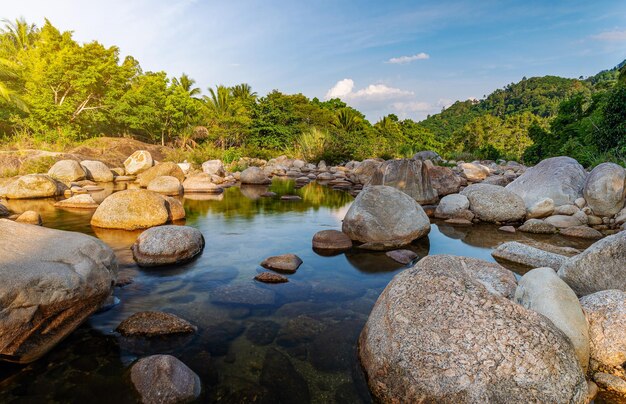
x: 412, y: 106
x: 344, y: 89
x: 615, y: 35
x: 341, y: 89
x: 408, y: 59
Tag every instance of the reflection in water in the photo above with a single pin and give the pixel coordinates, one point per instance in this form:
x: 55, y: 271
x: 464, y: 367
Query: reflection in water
x: 249, y: 333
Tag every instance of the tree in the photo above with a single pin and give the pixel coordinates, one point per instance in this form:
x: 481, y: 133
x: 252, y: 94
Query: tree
x: 348, y: 120
x: 186, y: 83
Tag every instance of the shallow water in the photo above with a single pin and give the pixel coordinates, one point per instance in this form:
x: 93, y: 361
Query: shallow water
x: 293, y: 342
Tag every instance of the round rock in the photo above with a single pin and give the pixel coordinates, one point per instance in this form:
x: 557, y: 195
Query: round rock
x: 138, y: 162
x: 166, y: 185
x: 493, y: 203
x: 164, y: 379
x: 131, y: 210
x: 166, y: 245
x: 334, y: 240
x: 605, y: 189
x: 97, y: 171
x: 288, y: 263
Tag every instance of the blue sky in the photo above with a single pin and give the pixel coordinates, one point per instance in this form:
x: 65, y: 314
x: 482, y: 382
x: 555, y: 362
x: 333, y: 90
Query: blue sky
x: 406, y: 57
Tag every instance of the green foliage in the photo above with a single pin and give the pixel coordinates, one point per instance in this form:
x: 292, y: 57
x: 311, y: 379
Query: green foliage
x: 311, y: 145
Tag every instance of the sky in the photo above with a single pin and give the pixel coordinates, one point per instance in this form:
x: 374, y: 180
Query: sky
x: 410, y: 58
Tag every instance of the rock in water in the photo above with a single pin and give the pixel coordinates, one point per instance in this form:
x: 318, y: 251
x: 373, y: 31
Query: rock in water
x: 131, y: 210
x: 83, y: 201
x: 270, y: 277
x: 402, y: 256
x: 153, y: 324
x: 32, y: 186
x: 437, y: 334
x: 366, y: 169
x: 138, y: 162
x: 493, y: 203
x: 167, y: 245
x: 254, y: 175
x: 51, y: 281
x: 528, y: 256
x: 288, y: 263
x: 163, y: 169
x: 4, y: 211
x: 67, y: 171
x: 164, y: 379
x: 452, y: 206
x: 537, y: 226
x: 201, y: 183
x: 213, y: 167
x: 97, y: 171
x: 409, y: 176
x: 333, y: 240
x: 605, y: 189
x: 600, y: 267
x: 166, y: 185
x: 383, y: 217
x: 176, y: 208
x: 542, y: 290
x: 558, y: 178
x: 606, y: 314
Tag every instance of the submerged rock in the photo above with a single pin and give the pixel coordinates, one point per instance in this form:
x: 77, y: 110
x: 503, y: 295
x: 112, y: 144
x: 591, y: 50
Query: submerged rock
x: 131, y: 210
x: 153, y: 324
x: 436, y: 334
x: 283, y: 379
x: 269, y: 277
x: 542, y: 290
x: 75, y: 274
x: 164, y: 379
x: 528, y: 256
x: 537, y: 226
x: 254, y: 175
x: 402, y: 256
x: 383, y: 217
x: 600, y: 267
x: 167, y: 245
x: 288, y: 263
x: 29, y: 217
x: 83, y: 201
x: 409, y: 176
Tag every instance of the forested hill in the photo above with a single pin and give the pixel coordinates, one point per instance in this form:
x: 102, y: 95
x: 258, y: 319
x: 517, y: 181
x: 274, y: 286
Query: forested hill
x: 500, y: 124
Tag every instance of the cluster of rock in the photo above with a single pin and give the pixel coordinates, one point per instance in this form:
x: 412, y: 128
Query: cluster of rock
x: 456, y: 329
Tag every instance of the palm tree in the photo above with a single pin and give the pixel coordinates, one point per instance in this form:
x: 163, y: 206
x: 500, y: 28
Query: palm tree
x: 244, y: 92
x: 17, y: 35
x: 220, y: 101
x: 347, y: 119
x: 186, y: 83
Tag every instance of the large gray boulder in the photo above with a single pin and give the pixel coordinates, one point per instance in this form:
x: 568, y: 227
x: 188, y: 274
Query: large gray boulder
x: 600, y: 267
x: 50, y: 282
x: 493, y: 203
x: 444, y: 180
x: 527, y: 256
x: 383, y: 217
x: 97, y: 171
x: 164, y: 379
x: 605, y: 189
x: 254, y: 175
x: 606, y: 315
x: 167, y: 245
x: 138, y: 162
x: 542, y: 290
x: 558, y: 178
x: 409, y: 176
x: 213, y: 167
x: 67, y: 171
x: 131, y: 210
x: 438, y: 334
x: 452, y: 206
x: 366, y: 169
x: 32, y: 186
x: 427, y: 155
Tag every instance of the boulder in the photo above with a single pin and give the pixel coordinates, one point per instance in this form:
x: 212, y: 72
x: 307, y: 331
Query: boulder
x: 213, y: 167
x: 254, y: 175
x: 540, y: 208
x: 201, y: 183
x: 29, y: 217
x: 131, y: 210
x: 366, y: 169
x: 444, y: 180
x: 474, y: 172
x: 164, y: 169
x: 600, y: 267
x: 167, y: 245
x: 427, y: 155
x: 558, y: 178
x: 537, y: 226
x: 407, y: 175
x: 185, y: 167
x: 383, y: 217
x: 288, y: 263
x: 176, y: 208
x: 166, y: 185
x: 606, y: 315
x: 492, y: 203
x: 452, y: 206
x: 51, y: 281
x: 563, y: 221
x: 32, y: 186
x: 567, y: 210
x: 97, y: 171
x: 542, y: 290
x: 605, y: 189
x: 138, y: 162
x: 67, y: 171
x: 527, y: 256
x: 164, y: 379
x: 154, y: 324
x: 438, y: 334
x: 332, y: 240
x: 581, y: 232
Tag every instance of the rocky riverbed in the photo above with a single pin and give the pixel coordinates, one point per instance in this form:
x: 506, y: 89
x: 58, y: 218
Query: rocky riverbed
x: 550, y: 328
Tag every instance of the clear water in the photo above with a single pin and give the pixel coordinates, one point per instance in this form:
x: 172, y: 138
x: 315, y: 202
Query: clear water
x: 293, y: 342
